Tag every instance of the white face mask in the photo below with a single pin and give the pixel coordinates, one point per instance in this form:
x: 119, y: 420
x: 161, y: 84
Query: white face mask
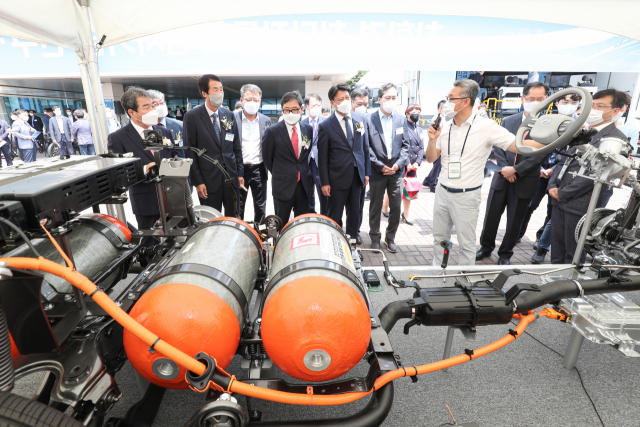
x: 150, y: 118
x: 109, y: 113
x: 251, y: 107
x: 58, y: 113
x: 449, y: 109
x: 344, y: 107
x: 361, y: 109
x: 595, y: 118
x: 315, y: 111
x: 291, y: 119
x: 529, y: 106
x: 617, y: 116
x: 216, y: 100
x: 24, y: 117
x: 162, y: 111
x: 567, y: 109
x: 390, y: 105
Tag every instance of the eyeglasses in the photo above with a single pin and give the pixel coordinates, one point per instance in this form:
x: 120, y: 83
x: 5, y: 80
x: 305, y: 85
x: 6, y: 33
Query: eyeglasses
x: 601, y: 106
x: 449, y: 99
x: 294, y: 110
x: 389, y: 98
x: 534, y: 99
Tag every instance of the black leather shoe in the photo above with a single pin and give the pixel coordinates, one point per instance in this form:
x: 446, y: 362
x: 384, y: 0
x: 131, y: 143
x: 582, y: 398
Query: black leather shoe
x: 406, y: 221
x: 358, y: 240
x: 535, y: 245
x: 432, y: 189
x: 482, y: 254
x: 504, y: 261
x: 538, y: 257
x: 375, y: 245
x: 519, y: 240
x: 391, y: 246
x: 385, y: 214
x: 361, y: 257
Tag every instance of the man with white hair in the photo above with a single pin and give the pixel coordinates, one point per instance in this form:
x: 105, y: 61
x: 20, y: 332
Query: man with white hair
x: 112, y: 121
x: 174, y: 126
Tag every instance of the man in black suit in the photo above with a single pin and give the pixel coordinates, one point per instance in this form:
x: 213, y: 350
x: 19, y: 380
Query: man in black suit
x: 251, y: 128
x: 128, y: 139
x: 360, y: 103
x: 343, y: 159
x: 388, y: 152
x: 214, y: 128
x: 513, y: 186
x: 285, y: 149
x: 313, y: 104
x: 37, y: 124
x: 570, y: 196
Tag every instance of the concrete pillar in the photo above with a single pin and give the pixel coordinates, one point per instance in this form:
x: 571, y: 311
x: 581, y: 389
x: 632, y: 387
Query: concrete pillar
x: 4, y: 114
x: 112, y: 93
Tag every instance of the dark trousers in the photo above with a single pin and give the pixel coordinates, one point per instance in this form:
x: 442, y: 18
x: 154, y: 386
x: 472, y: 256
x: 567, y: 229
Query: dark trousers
x: 362, y: 193
x: 322, y: 199
x: 217, y: 197
x: 516, y: 209
x: 299, y: 203
x: 393, y: 187
x: 349, y: 199
x: 28, y: 154
x: 432, y: 179
x: 608, y: 192
x: 6, y: 152
x: 255, y: 179
x: 66, y: 147
x: 145, y: 222
x: 533, y: 205
x: 563, y: 240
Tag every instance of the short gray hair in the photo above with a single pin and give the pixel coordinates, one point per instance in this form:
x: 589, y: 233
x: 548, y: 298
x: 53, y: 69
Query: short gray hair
x: 79, y: 113
x: 250, y: 88
x: 470, y: 89
x: 155, y: 94
x: 129, y: 99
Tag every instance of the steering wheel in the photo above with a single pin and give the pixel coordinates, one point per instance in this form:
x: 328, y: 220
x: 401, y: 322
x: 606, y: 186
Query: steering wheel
x: 552, y: 130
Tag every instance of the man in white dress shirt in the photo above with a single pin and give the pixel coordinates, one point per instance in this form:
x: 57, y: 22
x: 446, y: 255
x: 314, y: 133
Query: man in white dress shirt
x: 463, y: 145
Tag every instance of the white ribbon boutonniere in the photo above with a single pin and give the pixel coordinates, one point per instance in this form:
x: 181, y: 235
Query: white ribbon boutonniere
x: 305, y: 141
x: 166, y: 141
x: 359, y: 127
x: 226, y: 123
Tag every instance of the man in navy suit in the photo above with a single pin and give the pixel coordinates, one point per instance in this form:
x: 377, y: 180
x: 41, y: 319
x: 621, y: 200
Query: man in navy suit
x: 129, y: 139
x: 343, y: 159
x: 285, y: 149
x: 388, y: 151
x: 214, y: 128
x: 360, y: 103
x: 60, y: 132
x: 313, y: 105
x: 251, y: 127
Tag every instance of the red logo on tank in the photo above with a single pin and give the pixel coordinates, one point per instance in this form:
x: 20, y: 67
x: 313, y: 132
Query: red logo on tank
x: 308, y: 239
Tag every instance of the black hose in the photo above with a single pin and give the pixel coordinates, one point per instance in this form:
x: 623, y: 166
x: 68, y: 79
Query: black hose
x: 6, y: 363
x: 392, y: 313
x: 371, y: 415
x: 558, y: 290
x: 21, y: 233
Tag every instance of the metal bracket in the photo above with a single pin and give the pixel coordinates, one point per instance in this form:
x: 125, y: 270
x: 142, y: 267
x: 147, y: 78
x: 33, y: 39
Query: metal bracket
x: 518, y: 288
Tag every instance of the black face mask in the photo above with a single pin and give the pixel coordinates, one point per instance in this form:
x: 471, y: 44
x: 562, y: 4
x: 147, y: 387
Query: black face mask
x: 414, y: 117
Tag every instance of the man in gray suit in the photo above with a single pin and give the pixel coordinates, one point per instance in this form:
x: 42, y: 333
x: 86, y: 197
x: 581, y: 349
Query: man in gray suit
x: 513, y: 186
x: 251, y: 126
x: 60, y: 132
x: 388, y: 152
x: 571, y: 195
x: 313, y: 105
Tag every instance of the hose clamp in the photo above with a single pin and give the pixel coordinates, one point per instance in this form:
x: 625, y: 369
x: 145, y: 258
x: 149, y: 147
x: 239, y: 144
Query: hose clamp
x: 580, y: 288
x: 515, y: 306
x: 413, y: 313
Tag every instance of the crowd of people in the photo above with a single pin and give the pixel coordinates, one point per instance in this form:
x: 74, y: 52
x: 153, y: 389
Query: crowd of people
x: 323, y: 163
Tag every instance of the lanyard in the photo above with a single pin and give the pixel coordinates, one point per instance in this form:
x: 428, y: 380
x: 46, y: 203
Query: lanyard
x: 465, y: 138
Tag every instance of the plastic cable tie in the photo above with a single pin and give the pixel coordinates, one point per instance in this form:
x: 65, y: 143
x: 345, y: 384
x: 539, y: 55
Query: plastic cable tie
x: 98, y: 289
x: 310, y: 390
x: 514, y: 333
x: 469, y: 353
x: 151, y: 349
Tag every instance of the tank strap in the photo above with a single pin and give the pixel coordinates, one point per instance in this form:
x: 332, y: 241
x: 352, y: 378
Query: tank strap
x: 103, y: 229
x: 312, y: 264
x: 212, y: 273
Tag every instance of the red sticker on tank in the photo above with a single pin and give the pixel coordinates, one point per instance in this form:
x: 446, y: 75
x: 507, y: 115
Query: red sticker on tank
x: 308, y: 239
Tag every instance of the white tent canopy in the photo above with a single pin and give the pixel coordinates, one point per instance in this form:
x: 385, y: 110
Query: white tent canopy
x: 62, y: 23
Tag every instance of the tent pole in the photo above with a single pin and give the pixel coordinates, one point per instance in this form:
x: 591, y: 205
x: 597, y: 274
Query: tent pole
x: 88, y: 96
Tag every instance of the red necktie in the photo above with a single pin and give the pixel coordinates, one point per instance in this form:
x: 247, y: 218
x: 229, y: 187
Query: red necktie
x: 294, y: 141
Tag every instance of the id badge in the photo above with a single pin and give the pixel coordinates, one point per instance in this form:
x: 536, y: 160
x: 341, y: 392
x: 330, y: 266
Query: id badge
x: 455, y: 170
x: 228, y: 137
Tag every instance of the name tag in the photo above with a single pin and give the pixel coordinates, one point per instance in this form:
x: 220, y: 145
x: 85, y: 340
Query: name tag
x: 228, y: 137
x: 455, y: 170
x: 399, y: 131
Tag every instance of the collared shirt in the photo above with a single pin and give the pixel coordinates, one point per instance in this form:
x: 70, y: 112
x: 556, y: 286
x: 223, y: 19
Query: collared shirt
x: 484, y: 134
x: 387, y: 129
x: 113, y: 125
x: 251, y: 141
x: 342, y: 124
x: 140, y: 129
x: 290, y: 130
x: 21, y: 130
x: 163, y: 122
x: 211, y: 112
x: 60, y: 124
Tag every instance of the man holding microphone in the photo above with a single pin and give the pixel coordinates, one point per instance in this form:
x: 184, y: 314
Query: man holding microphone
x: 464, y: 144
